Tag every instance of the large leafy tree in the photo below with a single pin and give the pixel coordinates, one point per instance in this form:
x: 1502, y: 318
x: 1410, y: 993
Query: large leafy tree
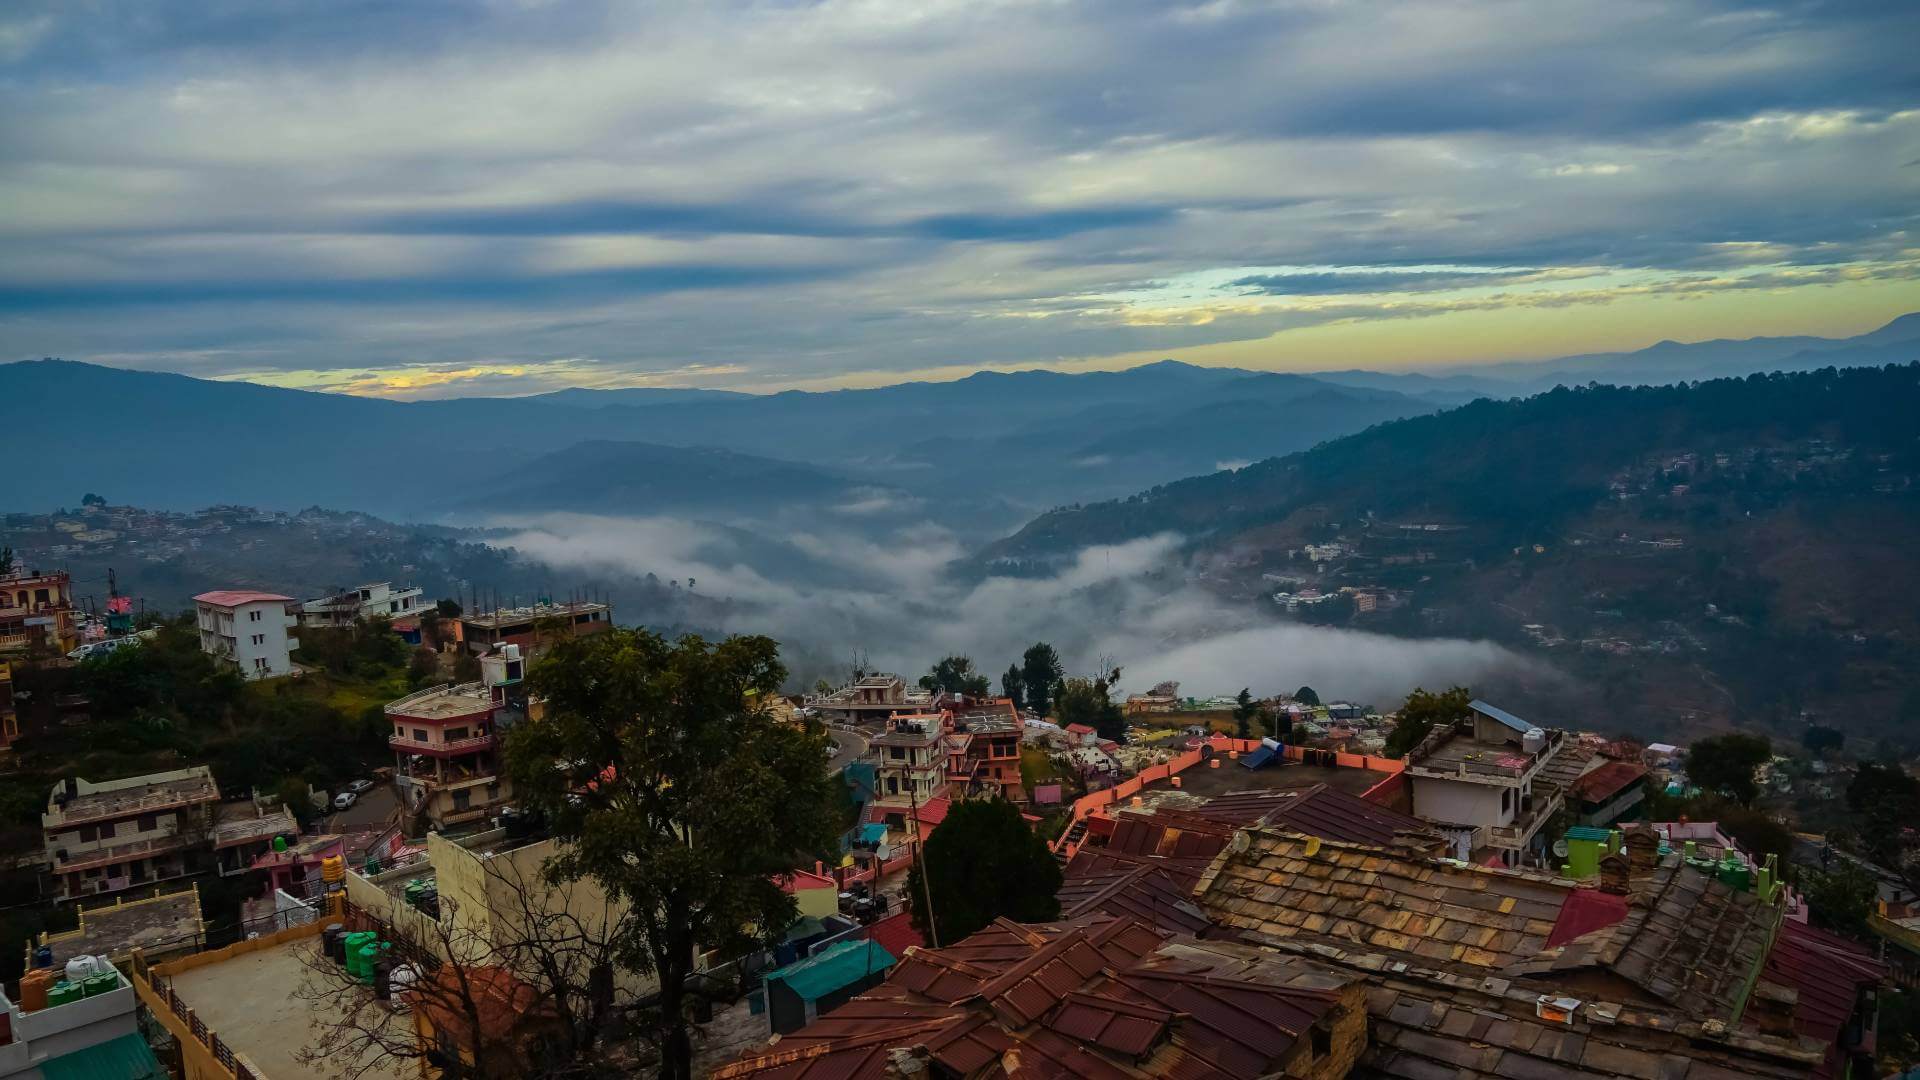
x: 1727, y: 763
x: 1012, y: 685
x: 1424, y: 710
x: 982, y: 863
x: 1306, y: 696
x: 1085, y: 701
x: 955, y: 675
x: 676, y: 793
x: 1244, y: 711
x: 1040, y: 674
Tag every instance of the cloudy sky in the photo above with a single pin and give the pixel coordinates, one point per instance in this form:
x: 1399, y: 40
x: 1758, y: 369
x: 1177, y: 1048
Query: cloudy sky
x: 435, y: 198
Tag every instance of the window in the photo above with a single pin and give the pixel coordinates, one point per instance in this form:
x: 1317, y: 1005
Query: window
x: 1322, y: 1042
x: 106, y: 831
x: 399, y: 732
x: 253, y: 616
x: 88, y: 834
x: 493, y: 791
x: 462, y: 798
x: 1506, y: 799
x: 419, y: 734
x: 393, y: 606
x: 456, y: 734
x: 149, y: 822
x: 259, y: 639
x: 259, y: 663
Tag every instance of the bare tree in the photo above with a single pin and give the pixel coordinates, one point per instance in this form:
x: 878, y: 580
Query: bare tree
x: 526, y: 988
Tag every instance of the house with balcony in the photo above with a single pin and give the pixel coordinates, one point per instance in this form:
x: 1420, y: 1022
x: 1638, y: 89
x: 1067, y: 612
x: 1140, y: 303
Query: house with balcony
x: 116, y: 835
x: 1481, y: 781
x: 910, y: 766
x: 446, y: 754
x: 36, y: 613
x: 248, y: 630
x: 375, y: 598
x: 871, y: 698
x: 983, y: 740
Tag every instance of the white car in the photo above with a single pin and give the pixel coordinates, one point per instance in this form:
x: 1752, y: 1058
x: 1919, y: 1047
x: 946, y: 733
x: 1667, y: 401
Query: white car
x: 359, y: 787
x: 345, y: 800
x: 101, y: 648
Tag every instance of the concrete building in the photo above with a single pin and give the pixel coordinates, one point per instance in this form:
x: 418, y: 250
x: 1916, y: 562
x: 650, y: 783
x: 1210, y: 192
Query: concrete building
x: 874, y: 697
x: 376, y: 598
x: 983, y: 750
x: 122, y: 834
x: 527, y: 627
x: 248, y: 629
x: 96, y: 1036
x: 446, y: 753
x: 36, y: 613
x: 1481, y: 779
x: 909, y: 759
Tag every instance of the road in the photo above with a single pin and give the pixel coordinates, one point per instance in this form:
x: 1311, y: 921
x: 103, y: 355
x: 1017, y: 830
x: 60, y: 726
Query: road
x: 374, y: 807
x: 848, y: 748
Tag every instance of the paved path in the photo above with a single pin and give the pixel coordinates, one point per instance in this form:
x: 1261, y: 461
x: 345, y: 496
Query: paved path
x: 375, y: 806
x: 848, y: 747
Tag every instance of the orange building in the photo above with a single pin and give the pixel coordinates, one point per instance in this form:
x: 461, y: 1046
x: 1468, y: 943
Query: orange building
x: 36, y: 613
x: 983, y: 740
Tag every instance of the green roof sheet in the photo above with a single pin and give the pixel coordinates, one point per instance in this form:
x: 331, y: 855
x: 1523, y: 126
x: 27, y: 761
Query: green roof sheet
x: 1587, y: 832
x: 833, y: 967
x: 127, y: 1057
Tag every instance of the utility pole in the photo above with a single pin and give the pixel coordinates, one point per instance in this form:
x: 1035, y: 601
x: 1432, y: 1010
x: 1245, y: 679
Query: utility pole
x: 919, y: 861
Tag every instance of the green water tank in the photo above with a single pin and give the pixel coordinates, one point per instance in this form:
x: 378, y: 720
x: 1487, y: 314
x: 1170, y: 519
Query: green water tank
x: 104, y: 983
x: 62, y: 992
x: 357, y: 941
x: 368, y: 954
x: 279, y: 844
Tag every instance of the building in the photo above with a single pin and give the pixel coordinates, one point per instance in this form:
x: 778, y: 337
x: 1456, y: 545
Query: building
x: 802, y: 992
x: 94, y: 1037
x: 909, y: 761
x: 248, y: 629
x: 870, y: 698
x: 123, y: 834
x: 169, y: 924
x: 377, y: 598
x: 1163, y: 698
x: 446, y: 754
x: 983, y: 750
x: 1100, y: 998
x: 36, y: 613
x: 813, y: 891
x: 527, y: 627
x: 1482, y: 780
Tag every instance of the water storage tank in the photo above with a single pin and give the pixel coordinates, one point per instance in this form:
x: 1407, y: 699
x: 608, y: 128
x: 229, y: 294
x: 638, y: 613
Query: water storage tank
x: 402, y: 978
x: 80, y: 968
x: 43, y: 956
x: 1533, y: 741
x: 33, y: 989
x: 104, y: 983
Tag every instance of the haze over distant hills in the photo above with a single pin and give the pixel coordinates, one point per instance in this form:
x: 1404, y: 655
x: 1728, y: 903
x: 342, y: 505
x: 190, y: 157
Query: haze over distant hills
x: 991, y: 449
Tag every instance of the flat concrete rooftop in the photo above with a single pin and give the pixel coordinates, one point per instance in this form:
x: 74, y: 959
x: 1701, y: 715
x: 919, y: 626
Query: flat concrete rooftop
x: 253, y: 1002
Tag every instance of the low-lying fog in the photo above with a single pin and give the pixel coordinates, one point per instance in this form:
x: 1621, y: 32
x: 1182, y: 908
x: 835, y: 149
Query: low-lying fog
x: 826, y: 597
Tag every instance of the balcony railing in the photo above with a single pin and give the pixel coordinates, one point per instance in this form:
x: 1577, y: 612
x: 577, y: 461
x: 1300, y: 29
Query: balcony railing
x: 128, y: 806
x: 119, y: 853
x: 408, y: 745
x: 1525, y: 825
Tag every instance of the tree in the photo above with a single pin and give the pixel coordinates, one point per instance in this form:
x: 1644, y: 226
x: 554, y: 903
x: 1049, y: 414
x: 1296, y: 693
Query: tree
x: 448, y: 609
x: 955, y: 675
x: 1422, y: 712
x: 1085, y: 701
x: 1306, y: 696
x: 90, y: 499
x: 982, y: 863
x: 1888, y: 800
x: 678, y: 794
x: 1012, y: 686
x: 1726, y: 764
x: 1244, y: 710
x: 1040, y: 673
x: 6, y: 559
x: 1840, y: 897
x: 1821, y: 739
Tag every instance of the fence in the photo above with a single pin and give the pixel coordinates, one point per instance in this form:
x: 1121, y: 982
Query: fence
x: 202, y: 1051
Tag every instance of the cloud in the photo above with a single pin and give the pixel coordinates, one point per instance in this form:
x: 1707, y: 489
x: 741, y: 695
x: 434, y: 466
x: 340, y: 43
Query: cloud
x: 889, y: 597
x: 768, y: 195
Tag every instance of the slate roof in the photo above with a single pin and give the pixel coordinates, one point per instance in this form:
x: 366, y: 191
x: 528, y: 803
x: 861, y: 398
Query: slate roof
x: 1099, y: 1001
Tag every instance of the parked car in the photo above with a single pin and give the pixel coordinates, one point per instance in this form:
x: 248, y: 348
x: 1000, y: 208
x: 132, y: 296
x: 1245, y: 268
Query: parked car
x: 345, y: 800
x: 101, y: 648
x: 359, y: 787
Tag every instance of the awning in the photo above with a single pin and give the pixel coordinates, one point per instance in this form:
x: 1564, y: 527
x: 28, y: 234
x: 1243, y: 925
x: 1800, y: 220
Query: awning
x: 125, y: 1058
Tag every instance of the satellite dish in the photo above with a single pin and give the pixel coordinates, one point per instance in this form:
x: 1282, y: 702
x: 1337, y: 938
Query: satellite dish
x: 1241, y: 842
x: 1560, y: 849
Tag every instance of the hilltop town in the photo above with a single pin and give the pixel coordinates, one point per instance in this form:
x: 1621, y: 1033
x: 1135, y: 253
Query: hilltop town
x: 1232, y: 885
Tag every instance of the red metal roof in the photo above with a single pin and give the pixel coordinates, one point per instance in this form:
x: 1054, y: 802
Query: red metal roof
x: 1585, y: 911
x: 1828, y: 972
x: 895, y: 933
x: 1080, y: 729
x: 807, y: 879
x: 236, y: 597
x: 1608, y: 780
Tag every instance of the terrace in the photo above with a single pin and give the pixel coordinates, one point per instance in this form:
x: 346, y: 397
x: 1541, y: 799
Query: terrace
x: 1456, y: 754
x: 443, y: 702
x: 78, y: 803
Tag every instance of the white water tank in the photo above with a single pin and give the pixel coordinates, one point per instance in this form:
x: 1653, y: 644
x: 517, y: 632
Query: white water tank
x: 1534, y: 741
x: 401, y: 980
x: 510, y: 651
x: 82, y: 967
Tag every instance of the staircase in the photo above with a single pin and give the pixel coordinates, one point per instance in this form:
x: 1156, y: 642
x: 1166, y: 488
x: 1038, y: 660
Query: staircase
x: 1070, y: 843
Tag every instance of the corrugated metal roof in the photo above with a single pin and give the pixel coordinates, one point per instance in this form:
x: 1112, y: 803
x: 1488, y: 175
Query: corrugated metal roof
x: 1608, y: 780
x: 1502, y: 715
x: 1827, y: 972
x: 838, y: 965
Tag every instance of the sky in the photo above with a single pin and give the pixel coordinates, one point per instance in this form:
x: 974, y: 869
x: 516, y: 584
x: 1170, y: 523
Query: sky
x: 438, y: 199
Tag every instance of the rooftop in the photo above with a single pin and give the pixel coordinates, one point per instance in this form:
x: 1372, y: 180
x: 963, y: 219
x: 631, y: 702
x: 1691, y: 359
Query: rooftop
x: 242, y: 823
x: 129, y: 795
x: 1232, y: 778
x: 236, y: 597
x: 493, y: 620
x: 253, y: 1001
x: 443, y: 702
x: 157, y: 924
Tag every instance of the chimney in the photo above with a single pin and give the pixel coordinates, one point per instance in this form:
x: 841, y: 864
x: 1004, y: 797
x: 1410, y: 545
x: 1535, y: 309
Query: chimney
x: 1616, y: 874
x: 1643, y: 848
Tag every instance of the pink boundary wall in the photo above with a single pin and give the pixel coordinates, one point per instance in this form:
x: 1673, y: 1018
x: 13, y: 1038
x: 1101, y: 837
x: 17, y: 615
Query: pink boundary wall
x: 1097, y: 802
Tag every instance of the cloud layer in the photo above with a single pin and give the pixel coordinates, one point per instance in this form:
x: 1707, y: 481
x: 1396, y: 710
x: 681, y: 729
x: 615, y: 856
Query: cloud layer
x: 1129, y: 602
x: 499, y: 197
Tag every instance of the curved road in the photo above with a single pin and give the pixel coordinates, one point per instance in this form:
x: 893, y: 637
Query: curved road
x: 847, y: 748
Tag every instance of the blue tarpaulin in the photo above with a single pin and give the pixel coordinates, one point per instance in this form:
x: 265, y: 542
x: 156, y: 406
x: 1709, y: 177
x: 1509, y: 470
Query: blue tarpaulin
x: 1258, y: 758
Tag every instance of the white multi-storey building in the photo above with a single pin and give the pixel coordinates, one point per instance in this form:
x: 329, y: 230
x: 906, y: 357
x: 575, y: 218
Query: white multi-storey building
x: 249, y: 630
x: 376, y: 598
